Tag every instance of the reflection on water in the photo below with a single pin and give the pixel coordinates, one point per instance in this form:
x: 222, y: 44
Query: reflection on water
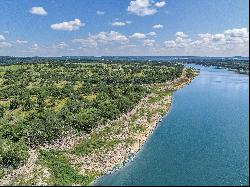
x: 202, y: 141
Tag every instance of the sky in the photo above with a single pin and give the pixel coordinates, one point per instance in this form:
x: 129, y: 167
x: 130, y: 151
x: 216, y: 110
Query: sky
x: 124, y: 27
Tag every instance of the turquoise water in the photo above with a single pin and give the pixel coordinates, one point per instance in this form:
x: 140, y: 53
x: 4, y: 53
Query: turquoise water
x: 202, y: 141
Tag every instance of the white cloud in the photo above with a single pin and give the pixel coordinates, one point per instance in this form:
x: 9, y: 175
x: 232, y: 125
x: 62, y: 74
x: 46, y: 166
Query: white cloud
x: 170, y: 44
x: 35, y: 47
x: 231, y: 36
x: 243, y: 33
x: 61, y: 45
x: 148, y: 43
x: 128, y: 46
x: 5, y: 44
x: 151, y: 34
x: 218, y: 37
x: 2, y: 37
x: 181, y: 34
x: 158, y: 26
x: 111, y: 37
x: 225, y: 43
x: 138, y: 36
x: 182, y: 42
x: 232, y: 41
x: 86, y: 43
x: 179, y: 39
x: 160, y: 4
x: 237, y: 35
x: 68, y: 26
x: 206, y: 38
x: 141, y: 7
x: 38, y: 11
x: 98, y: 12
x: 118, y: 24
x: 21, y: 41
x: 206, y: 35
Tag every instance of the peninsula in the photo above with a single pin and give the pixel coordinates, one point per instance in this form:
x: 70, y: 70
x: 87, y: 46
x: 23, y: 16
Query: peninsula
x: 70, y: 123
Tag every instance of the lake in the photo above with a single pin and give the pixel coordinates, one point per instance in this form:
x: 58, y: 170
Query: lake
x: 203, y: 140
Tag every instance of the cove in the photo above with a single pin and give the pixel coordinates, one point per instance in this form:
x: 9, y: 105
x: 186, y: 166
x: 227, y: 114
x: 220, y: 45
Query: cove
x: 203, y: 140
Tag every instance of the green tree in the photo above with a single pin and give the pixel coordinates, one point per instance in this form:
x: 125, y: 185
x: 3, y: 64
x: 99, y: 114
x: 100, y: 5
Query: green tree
x: 86, y: 119
x: 1, y: 111
x: 12, y: 154
x: 14, y: 104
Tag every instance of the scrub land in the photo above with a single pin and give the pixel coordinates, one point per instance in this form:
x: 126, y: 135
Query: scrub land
x: 70, y: 123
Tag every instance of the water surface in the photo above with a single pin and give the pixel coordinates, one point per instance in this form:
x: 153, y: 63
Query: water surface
x: 202, y: 141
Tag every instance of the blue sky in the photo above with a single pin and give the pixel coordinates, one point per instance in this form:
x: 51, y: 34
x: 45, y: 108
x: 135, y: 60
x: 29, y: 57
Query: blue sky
x: 124, y: 27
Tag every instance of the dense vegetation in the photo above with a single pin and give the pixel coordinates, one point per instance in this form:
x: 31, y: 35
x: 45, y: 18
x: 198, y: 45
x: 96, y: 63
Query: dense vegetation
x: 41, y: 102
x: 238, y: 64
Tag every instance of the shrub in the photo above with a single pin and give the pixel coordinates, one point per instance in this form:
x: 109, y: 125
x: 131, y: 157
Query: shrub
x: 1, y: 111
x: 12, y: 154
x: 43, y: 127
x: 86, y: 119
x: 61, y: 170
x: 14, y: 104
x: 108, y: 110
x: 12, y: 131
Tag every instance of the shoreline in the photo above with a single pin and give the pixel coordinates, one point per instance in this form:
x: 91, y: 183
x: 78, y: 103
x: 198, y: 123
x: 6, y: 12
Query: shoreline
x: 124, y: 136
x: 142, y: 142
x: 130, y: 157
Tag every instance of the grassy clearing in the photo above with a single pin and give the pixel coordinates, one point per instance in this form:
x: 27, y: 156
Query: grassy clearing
x: 62, y: 173
x: 95, y: 143
x: 60, y: 104
x: 138, y: 128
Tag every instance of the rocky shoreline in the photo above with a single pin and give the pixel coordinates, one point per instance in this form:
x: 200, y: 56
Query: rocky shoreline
x: 177, y: 84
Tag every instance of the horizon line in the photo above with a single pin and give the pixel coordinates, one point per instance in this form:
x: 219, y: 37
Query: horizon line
x: 125, y: 56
